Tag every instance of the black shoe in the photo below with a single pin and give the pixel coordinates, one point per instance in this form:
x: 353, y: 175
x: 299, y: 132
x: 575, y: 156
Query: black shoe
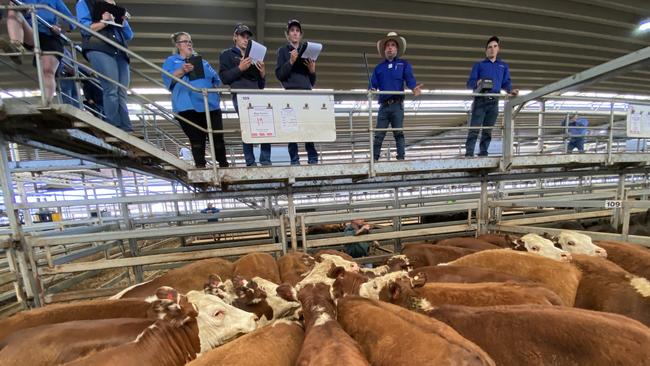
x: 200, y: 166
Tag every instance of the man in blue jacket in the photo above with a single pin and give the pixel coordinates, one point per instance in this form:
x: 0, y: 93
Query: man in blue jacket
x: 392, y: 74
x: 243, y: 73
x: 485, y: 110
x: 577, y: 132
x: 296, y: 74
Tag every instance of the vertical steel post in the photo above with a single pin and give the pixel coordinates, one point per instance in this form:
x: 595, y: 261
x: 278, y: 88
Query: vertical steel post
x: 620, y: 195
x: 37, y: 57
x: 508, y: 136
x: 291, y: 212
x: 610, y: 141
x: 371, y: 134
x: 133, y: 243
x: 540, y: 129
x: 208, y: 120
x: 483, y: 207
x: 397, y: 222
x: 352, y: 144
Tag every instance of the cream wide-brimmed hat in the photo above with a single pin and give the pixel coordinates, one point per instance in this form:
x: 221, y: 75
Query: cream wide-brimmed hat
x: 392, y: 36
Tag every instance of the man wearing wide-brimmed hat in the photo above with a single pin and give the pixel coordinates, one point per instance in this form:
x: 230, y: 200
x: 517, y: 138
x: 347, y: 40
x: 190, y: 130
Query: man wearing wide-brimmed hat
x: 391, y: 74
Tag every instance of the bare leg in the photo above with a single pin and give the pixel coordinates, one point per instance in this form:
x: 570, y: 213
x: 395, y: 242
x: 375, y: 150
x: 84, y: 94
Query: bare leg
x: 50, y: 64
x: 18, y: 29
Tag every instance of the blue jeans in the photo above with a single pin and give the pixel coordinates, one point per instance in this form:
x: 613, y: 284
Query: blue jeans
x: 114, y: 97
x: 249, y: 155
x: 312, y: 153
x: 484, y: 113
x: 390, y: 115
x: 69, y: 92
x: 576, y: 142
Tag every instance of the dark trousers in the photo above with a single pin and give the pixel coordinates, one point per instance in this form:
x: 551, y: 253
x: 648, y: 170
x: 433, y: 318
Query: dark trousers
x: 577, y: 142
x: 390, y: 115
x: 312, y: 153
x: 198, y: 138
x: 484, y: 114
x: 249, y: 154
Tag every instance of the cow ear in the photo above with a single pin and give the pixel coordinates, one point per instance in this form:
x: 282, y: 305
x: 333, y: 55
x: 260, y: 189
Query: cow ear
x: 419, y: 279
x: 286, y: 292
x: 167, y: 293
x: 214, y: 280
x: 336, y: 272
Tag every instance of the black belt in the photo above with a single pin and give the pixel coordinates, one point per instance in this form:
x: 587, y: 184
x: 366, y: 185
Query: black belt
x: 392, y: 101
x: 487, y: 98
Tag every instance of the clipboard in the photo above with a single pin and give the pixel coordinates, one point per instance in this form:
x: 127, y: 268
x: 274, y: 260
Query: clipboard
x: 102, y: 7
x: 198, y: 72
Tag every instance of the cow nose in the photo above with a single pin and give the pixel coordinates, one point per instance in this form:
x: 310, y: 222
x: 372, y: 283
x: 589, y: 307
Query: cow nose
x: 601, y: 253
x: 565, y: 257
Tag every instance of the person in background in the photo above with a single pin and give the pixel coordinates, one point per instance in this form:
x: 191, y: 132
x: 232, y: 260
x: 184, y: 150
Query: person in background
x: 21, y: 36
x: 357, y: 227
x: 108, y: 60
x: 485, y: 110
x: 211, y: 210
x: 577, y: 132
x: 243, y: 73
x: 190, y: 105
x: 391, y: 74
x: 296, y: 74
x: 185, y: 154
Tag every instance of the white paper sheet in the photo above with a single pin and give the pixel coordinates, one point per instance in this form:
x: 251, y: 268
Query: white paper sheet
x: 312, y: 51
x: 638, y: 121
x: 258, y: 51
x: 261, y: 122
x: 288, y: 120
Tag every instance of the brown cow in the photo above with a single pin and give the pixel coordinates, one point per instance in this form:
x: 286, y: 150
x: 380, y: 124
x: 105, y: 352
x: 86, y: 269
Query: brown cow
x: 504, y: 241
x: 325, y: 341
x: 430, y: 295
x: 179, y: 334
x: 562, y: 278
x: 464, y: 274
x: 184, y: 279
x: 421, y: 255
x: 393, y: 336
x: 468, y: 243
x: 294, y: 266
x: 535, y: 335
x: 325, y: 229
x: 257, y: 265
x: 82, y: 310
x: 54, y: 344
x: 633, y: 258
x: 277, y: 344
x: 608, y: 287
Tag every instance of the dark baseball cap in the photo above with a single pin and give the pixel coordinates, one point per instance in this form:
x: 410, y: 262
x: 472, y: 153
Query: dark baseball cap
x: 243, y: 28
x: 293, y: 22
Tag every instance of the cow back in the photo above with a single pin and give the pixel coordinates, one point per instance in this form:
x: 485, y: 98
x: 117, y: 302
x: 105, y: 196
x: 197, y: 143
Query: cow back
x: 257, y: 265
x: 184, y: 279
x: 487, y: 294
x: 465, y: 274
x: 633, y: 258
x: 562, y: 278
x: 469, y: 243
x: 422, y: 255
x: 83, y: 310
x: 293, y: 266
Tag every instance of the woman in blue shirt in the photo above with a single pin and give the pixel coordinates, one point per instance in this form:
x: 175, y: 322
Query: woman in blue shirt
x: 107, y: 59
x: 190, y: 105
x: 21, y: 34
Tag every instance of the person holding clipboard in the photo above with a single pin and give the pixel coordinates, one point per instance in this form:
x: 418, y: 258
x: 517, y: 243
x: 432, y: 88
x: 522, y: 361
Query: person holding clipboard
x: 296, y: 73
x: 187, y: 65
x: 108, y: 60
x: 240, y: 71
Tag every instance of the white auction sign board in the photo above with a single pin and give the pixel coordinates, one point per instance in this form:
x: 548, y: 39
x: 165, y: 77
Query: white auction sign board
x: 638, y: 121
x: 271, y: 118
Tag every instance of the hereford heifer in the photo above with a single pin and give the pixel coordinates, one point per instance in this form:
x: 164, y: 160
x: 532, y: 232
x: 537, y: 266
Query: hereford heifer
x: 536, y: 244
x: 608, y: 287
x: 257, y: 265
x: 468, y: 243
x: 325, y: 341
x: 430, y: 295
x: 294, y: 266
x: 632, y: 258
x: 421, y: 255
x: 562, y: 278
x: 82, y: 310
x: 550, y: 335
x: 54, y: 344
x: 184, y: 279
x: 578, y: 243
x: 389, y: 336
x: 319, y: 255
x: 464, y: 274
x: 275, y: 345
x: 180, y: 334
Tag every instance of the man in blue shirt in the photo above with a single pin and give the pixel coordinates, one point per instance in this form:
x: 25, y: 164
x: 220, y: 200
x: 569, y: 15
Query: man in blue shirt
x: 577, y: 132
x: 485, y: 110
x: 392, y: 74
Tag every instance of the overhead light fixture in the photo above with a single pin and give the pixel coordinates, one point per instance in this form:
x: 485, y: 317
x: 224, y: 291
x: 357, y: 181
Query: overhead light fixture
x: 644, y: 26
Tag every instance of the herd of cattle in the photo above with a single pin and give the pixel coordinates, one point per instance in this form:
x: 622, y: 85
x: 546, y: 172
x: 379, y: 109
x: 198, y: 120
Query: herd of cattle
x: 491, y: 300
